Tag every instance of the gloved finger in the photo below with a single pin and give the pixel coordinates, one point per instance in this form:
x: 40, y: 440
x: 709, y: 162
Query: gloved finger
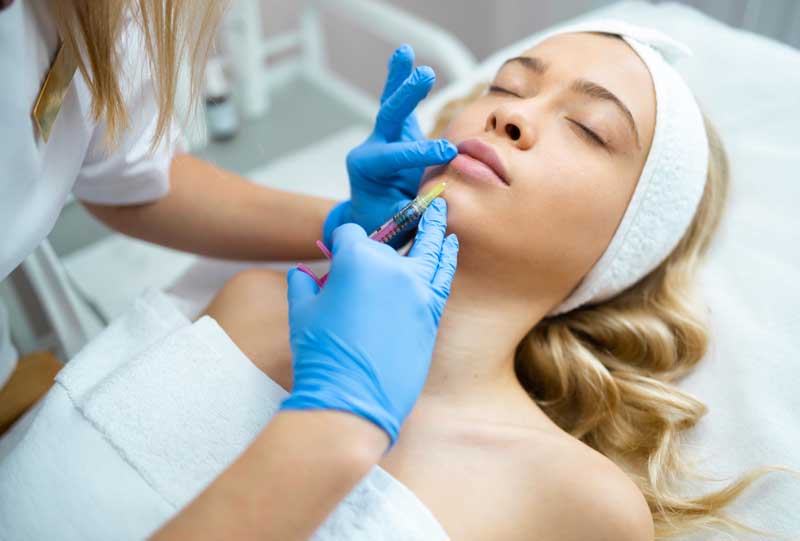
x: 447, y: 267
x: 403, y: 101
x: 301, y: 287
x: 345, y: 236
x: 383, y: 160
x: 427, y: 247
x: 340, y: 214
x: 400, y: 65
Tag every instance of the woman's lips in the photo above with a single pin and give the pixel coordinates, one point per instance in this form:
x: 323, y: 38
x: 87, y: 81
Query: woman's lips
x: 480, y: 161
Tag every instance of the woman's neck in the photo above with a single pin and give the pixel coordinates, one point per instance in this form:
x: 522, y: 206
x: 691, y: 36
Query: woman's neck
x: 473, y: 362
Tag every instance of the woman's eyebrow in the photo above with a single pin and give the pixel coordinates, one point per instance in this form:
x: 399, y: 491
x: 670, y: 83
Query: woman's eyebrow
x: 594, y: 90
x: 531, y: 62
x: 582, y: 86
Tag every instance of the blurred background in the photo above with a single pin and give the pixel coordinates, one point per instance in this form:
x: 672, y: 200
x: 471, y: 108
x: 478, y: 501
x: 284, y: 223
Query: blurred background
x: 294, y: 84
x: 485, y: 27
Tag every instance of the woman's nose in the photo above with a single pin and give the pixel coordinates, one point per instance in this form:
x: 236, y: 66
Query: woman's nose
x: 508, y: 123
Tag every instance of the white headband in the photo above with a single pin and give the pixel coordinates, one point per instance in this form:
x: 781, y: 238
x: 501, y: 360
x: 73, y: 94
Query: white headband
x: 673, y: 178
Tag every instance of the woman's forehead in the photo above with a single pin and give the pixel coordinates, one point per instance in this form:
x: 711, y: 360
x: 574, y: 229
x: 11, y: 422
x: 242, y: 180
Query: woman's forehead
x: 582, y: 41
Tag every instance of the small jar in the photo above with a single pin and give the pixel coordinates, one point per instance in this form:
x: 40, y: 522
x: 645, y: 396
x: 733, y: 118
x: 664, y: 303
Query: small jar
x: 222, y: 120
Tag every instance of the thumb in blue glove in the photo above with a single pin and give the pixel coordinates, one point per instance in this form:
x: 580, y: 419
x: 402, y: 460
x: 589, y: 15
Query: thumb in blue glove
x: 363, y: 344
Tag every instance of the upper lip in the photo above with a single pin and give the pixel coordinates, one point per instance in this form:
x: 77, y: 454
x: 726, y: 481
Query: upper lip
x: 482, y: 152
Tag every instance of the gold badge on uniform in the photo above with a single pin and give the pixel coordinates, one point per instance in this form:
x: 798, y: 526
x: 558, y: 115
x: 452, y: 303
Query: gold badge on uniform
x: 55, y: 87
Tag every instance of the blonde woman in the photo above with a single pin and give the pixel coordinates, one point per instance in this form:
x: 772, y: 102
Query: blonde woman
x: 587, y: 189
x: 86, y: 108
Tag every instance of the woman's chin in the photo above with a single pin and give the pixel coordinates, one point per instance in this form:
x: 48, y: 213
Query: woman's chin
x: 463, y: 205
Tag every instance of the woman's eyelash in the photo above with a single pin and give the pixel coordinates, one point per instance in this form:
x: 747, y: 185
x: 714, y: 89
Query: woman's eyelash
x: 589, y: 134
x: 494, y: 89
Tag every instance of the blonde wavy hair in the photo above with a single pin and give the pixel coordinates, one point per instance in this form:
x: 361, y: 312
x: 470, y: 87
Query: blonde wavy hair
x: 605, y: 373
x: 173, y: 31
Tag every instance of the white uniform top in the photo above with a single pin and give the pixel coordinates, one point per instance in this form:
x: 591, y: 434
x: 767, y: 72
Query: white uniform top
x: 36, y: 177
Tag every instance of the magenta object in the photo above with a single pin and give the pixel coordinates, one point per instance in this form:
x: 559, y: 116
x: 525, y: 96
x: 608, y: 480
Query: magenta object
x: 304, y: 268
x: 320, y: 281
x: 324, y: 249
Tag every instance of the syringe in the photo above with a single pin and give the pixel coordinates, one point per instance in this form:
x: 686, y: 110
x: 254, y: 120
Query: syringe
x: 408, y: 217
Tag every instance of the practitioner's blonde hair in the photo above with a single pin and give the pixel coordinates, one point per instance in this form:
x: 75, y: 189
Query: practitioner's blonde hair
x: 606, y: 373
x: 172, y: 30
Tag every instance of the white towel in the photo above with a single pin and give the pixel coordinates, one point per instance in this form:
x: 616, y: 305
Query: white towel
x: 59, y: 477
x: 146, y: 417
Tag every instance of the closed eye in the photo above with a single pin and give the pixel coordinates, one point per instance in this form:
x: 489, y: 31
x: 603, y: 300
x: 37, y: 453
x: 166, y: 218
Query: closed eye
x: 588, y: 134
x: 494, y: 89
x: 584, y: 132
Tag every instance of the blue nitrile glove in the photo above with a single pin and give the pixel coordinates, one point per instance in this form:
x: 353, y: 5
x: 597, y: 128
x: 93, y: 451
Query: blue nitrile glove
x: 386, y: 169
x: 363, y: 344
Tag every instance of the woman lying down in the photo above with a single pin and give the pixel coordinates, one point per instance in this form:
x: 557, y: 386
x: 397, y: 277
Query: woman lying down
x: 586, y: 191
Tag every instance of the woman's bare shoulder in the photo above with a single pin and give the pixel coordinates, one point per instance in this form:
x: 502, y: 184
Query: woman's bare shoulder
x: 581, y: 495
x: 252, y: 310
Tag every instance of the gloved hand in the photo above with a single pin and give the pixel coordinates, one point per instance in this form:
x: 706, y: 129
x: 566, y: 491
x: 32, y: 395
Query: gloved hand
x: 385, y: 170
x: 364, y: 343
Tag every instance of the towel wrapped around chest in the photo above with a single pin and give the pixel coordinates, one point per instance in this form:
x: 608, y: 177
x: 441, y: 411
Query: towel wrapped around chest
x: 142, y: 420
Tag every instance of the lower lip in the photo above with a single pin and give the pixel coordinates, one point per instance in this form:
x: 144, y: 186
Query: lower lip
x: 476, y: 170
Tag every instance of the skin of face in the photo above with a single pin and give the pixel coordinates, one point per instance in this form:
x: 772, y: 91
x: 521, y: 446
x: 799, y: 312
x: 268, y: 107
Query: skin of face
x: 570, y: 161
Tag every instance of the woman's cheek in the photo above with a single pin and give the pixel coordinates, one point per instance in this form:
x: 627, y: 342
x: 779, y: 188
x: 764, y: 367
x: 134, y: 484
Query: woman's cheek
x: 573, y: 179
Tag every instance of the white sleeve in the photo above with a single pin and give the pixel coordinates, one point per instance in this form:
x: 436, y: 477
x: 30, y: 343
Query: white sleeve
x: 129, y: 172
